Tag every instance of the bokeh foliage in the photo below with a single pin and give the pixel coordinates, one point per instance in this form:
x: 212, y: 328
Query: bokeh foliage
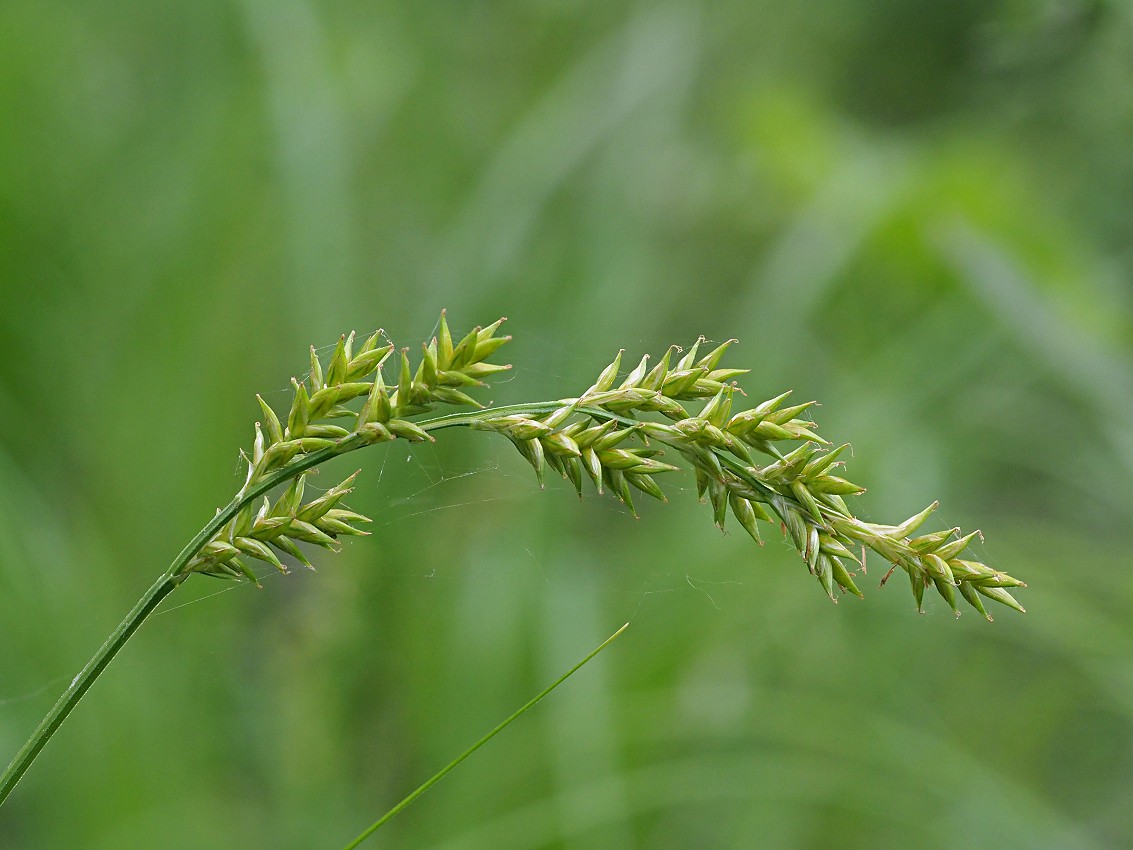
x: 917, y: 212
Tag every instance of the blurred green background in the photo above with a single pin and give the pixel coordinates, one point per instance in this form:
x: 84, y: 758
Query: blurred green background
x: 916, y: 212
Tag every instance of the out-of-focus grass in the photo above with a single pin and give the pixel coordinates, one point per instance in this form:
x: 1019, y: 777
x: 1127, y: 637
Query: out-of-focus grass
x: 917, y: 213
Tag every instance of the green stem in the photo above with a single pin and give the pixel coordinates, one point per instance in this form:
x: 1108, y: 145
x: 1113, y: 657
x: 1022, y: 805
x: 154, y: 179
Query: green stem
x: 82, y: 682
x: 440, y: 774
x: 174, y: 575
x: 145, y: 606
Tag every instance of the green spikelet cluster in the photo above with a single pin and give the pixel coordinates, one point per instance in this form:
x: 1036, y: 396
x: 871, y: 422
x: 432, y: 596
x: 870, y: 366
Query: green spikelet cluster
x: 762, y: 464
x: 603, y: 435
x: 351, y: 387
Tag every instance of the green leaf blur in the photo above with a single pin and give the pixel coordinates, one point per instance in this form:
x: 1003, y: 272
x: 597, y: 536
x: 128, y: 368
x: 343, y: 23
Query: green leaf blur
x: 916, y: 212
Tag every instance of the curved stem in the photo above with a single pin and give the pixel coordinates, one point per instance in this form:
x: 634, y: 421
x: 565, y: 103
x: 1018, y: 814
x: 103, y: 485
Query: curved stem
x: 174, y: 575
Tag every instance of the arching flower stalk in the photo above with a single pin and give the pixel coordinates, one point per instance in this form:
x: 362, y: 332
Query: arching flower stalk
x: 763, y: 464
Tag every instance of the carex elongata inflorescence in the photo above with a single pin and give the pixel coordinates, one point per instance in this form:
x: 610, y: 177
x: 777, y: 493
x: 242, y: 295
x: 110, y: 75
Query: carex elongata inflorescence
x: 763, y: 464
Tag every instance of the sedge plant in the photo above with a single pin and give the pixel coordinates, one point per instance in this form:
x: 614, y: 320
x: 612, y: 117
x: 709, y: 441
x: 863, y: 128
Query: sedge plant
x: 763, y: 464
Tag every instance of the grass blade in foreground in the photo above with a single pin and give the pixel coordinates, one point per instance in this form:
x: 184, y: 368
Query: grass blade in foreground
x: 612, y: 434
x: 436, y: 777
